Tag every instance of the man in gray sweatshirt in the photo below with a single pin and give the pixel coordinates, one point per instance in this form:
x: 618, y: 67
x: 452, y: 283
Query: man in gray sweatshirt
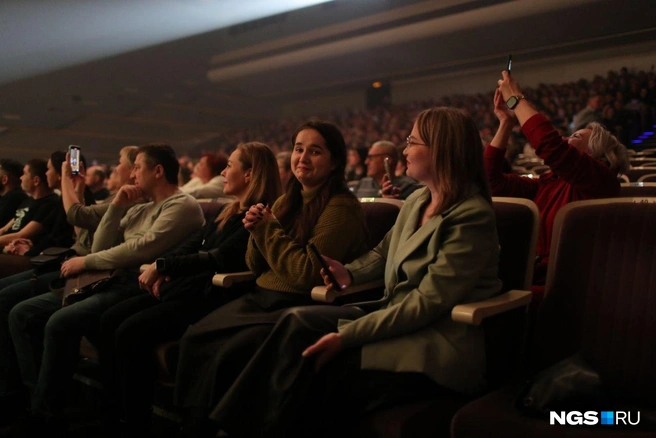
x: 123, y: 241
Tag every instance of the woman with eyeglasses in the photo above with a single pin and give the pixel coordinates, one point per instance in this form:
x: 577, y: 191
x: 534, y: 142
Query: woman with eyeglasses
x: 583, y: 166
x: 442, y: 251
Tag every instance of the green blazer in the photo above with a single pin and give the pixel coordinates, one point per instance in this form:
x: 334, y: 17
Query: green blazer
x: 452, y: 259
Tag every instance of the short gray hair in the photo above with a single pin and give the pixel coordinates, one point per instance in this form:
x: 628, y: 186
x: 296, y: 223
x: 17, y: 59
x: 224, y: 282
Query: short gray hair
x: 606, y: 147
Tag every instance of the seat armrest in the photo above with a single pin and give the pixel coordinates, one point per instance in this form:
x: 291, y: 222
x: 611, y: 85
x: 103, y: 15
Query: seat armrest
x: 319, y: 293
x: 475, y: 313
x: 230, y: 278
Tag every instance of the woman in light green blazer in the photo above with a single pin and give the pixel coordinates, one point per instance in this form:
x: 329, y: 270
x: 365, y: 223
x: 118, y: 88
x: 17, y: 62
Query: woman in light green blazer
x: 442, y: 251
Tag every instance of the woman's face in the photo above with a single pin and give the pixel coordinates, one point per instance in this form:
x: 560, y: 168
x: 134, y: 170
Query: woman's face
x: 123, y: 172
x: 580, y: 139
x: 311, y: 159
x: 203, y: 170
x: 54, y: 181
x: 352, y: 158
x: 236, y: 178
x: 417, y: 154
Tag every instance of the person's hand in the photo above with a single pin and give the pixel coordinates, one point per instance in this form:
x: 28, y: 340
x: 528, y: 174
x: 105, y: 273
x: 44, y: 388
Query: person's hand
x: 256, y: 215
x: 72, y: 266
x: 78, y: 180
x: 339, y: 271
x: 148, y: 277
x: 19, y: 246
x: 389, y: 190
x: 156, y: 290
x: 508, y: 86
x: 128, y: 195
x: 327, y: 347
x: 502, y: 112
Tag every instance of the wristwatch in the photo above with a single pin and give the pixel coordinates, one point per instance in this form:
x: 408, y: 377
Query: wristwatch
x: 160, y: 264
x: 513, y: 101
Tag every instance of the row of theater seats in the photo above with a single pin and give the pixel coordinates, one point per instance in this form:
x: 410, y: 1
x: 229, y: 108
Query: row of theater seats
x: 581, y: 253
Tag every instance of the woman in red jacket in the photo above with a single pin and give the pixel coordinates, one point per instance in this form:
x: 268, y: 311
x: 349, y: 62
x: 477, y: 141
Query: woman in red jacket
x: 583, y: 166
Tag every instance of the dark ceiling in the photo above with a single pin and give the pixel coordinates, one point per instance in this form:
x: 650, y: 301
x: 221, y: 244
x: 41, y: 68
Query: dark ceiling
x: 187, y: 91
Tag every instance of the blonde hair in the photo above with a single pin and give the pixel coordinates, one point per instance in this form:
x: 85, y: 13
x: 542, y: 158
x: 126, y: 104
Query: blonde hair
x: 129, y: 152
x: 264, y: 185
x: 606, y: 147
x: 456, y: 156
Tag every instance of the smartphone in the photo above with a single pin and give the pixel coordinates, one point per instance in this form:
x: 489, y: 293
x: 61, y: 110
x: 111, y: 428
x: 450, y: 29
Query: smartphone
x: 74, y: 153
x: 325, y: 267
x: 509, y: 66
x: 388, y: 169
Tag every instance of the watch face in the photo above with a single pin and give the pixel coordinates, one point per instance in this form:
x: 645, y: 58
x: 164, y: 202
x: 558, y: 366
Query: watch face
x: 512, y: 102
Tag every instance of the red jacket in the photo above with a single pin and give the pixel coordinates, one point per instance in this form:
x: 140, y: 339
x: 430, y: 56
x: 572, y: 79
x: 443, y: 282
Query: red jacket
x: 574, y: 176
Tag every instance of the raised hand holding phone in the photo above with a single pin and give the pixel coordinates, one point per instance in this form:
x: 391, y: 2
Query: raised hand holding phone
x: 334, y: 274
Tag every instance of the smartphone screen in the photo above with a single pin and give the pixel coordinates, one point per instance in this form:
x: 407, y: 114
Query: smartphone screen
x: 74, y: 152
x: 509, y: 66
x: 325, y: 267
x: 388, y: 168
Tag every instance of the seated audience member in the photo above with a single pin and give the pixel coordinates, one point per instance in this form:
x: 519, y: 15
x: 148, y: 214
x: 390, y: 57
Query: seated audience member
x: 20, y: 287
x: 317, y: 208
x: 285, y: 168
x: 128, y: 236
x: 591, y: 113
x: 583, y: 166
x: 181, y: 290
x: 374, y: 183
x: 61, y: 233
x: 355, y: 168
x: 36, y: 217
x: 442, y: 251
x: 184, y: 175
x: 95, y: 180
x: 11, y: 193
x: 208, y: 182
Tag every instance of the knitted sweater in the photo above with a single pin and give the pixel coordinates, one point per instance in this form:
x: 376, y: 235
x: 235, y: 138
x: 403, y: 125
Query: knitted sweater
x: 146, y: 231
x: 283, y: 265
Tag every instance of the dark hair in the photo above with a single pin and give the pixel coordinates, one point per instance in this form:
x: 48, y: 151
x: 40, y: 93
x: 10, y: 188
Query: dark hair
x: 163, y: 155
x: 297, y: 219
x: 13, y: 169
x: 57, y: 158
x: 215, y: 162
x: 456, y: 154
x: 38, y: 168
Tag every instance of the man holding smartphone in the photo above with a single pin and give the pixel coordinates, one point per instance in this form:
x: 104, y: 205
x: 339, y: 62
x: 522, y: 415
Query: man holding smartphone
x: 372, y: 185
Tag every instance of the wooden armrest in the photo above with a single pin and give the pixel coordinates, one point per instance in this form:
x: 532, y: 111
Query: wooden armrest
x: 144, y: 267
x: 319, y: 293
x: 228, y: 279
x: 475, y: 313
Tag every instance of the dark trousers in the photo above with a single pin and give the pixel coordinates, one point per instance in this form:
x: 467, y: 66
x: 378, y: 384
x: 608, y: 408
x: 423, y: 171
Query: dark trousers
x: 280, y: 394
x: 62, y: 334
x: 12, y: 264
x: 14, y: 290
x: 129, y: 333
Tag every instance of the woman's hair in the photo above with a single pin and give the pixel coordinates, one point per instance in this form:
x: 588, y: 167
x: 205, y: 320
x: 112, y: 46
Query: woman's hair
x: 456, y: 156
x: 130, y: 152
x: 57, y: 158
x: 605, y: 147
x: 297, y: 219
x: 264, y: 185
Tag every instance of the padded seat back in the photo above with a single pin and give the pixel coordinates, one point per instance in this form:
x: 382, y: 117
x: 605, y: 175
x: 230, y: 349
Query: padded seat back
x: 638, y: 189
x: 517, y: 227
x: 601, y: 293
x: 380, y: 215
